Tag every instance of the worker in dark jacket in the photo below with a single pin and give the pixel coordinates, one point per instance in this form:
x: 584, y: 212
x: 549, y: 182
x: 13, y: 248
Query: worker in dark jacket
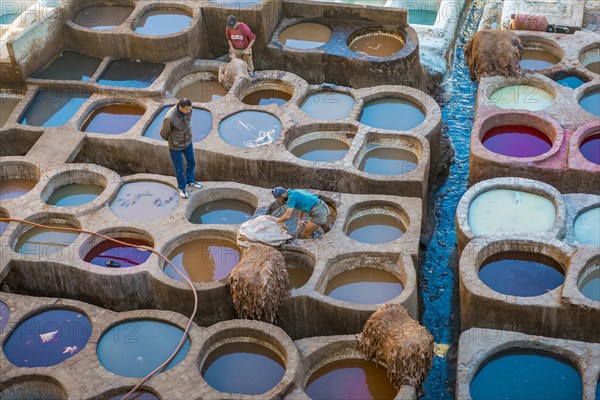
x: 177, y: 130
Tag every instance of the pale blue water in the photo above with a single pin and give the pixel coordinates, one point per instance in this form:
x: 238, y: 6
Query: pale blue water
x: 70, y: 65
x: 131, y: 74
x: 8, y: 15
x: 392, y: 113
x: 328, y: 105
x: 222, y: 212
x: 201, y: 124
x: 48, y: 338
x: 250, y: 129
x: 162, y: 22
x: 135, y: 348
x: 74, y: 195
x: 51, y: 108
x: 591, y: 102
x: 525, y: 375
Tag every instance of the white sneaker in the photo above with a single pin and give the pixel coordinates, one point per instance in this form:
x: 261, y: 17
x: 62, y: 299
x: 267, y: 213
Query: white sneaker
x: 195, y: 184
x: 182, y: 193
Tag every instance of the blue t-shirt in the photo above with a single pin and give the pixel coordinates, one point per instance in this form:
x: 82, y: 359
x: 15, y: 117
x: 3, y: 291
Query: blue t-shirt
x: 301, y: 199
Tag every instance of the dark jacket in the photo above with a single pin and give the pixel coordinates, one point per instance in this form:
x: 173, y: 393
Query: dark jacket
x: 177, y: 129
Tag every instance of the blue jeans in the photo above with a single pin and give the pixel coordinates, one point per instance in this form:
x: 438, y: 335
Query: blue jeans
x: 177, y: 158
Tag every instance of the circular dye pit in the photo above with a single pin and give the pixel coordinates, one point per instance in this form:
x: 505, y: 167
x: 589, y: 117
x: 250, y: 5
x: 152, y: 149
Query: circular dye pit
x: 244, y: 368
x: 592, y: 64
x: 570, y: 81
x: 144, y: 201
x: 364, y: 286
x: 307, y: 35
x: 113, y: 119
x: 11, y: 188
x: 133, y: 349
x: 162, y: 22
x: 74, y: 195
x: 388, y: 161
x: 250, y: 129
x: 523, y: 374
x: 502, y: 210
x: 100, y: 17
x: 517, y: 141
x: 297, y: 277
x: 328, y: 105
x: 201, y: 124
x: 48, y: 338
x: 534, y: 59
x: 521, y: 274
x: 267, y: 96
x: 590, y: 148
x: 590, y: 102
x: 202, y: 91
x: 113, y: 255
x: 589, y: 282
x: 33, y: 387
x: 226, y: 211
x: 351, y: 379
x: 321, y: 150
x: 377, y: 44
x: 383, y: 114
x: 42, y: 241
x: 203, y: 260
x: 139, y: 395
x: 587, y: 228
x: 522, y: 97
x: 4, y: 314
x: 375, y: 228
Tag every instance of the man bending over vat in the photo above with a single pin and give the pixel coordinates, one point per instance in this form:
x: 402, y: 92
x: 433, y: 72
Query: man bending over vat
x: 240, y: 39
x: 305, y: 202
x: 177, y: 130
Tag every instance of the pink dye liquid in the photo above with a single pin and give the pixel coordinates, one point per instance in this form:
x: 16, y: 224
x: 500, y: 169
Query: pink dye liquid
x: 517, y: 141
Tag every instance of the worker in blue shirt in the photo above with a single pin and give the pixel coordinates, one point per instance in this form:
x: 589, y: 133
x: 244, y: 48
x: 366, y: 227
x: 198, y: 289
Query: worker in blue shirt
x: 305, y: 202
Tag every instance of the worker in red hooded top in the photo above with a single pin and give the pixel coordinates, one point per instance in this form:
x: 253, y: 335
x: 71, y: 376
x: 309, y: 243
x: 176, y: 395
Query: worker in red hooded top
x: 240, y: 39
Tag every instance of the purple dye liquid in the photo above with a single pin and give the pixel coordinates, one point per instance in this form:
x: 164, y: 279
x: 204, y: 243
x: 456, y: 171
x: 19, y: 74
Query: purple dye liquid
x: 107, y: 251
x: 517, y: 141
x: 590, y: 147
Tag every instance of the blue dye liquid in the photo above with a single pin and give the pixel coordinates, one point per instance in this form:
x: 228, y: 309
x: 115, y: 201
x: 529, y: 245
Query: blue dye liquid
x: 3, y: 226
x: 74, y: 195
x: 328, y: 105
x: 422, y: 17
x: 244, y: 368
x: 518, y: 375
x: 71, y: 66
x: 392, y: 113
x: 514, y: 275
x: 591, y: 102
x: 135, y: 348
x: 571, y: 81
x: 48, y: 339
x: 250, y: 129
x: 222, y: 212
x: 201, y: 124
x: 131, y: 74
x: 237, y: 3
x: 162, y: 22
x: 4, y: 314
x: 51, y: 108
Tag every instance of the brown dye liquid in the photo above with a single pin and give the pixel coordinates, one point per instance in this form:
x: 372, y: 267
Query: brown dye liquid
x: 351, y: 379
x: 204, y: 260
x: 7, y: 105
x: 594, y: 67
x: 102, y: 17
x: 305, y: 36
x: 537, y: 59
x: 11, y: 188
x: 266, y: 97
x: 202, y: 92
x: 376, y: 228
x: 113, y: 119
x: 377, y: 45
x: 298, y: 277
x: 364, y: 286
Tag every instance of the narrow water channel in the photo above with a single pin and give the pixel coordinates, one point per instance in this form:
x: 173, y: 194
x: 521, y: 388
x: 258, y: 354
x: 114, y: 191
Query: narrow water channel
x: 439, y: 287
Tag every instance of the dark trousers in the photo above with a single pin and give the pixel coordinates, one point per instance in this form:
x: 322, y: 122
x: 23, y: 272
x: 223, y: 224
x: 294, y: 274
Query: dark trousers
x: 177, y: 157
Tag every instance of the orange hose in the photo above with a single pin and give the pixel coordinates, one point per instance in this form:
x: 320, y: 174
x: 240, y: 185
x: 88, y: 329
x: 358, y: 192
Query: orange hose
x: 189, y: 282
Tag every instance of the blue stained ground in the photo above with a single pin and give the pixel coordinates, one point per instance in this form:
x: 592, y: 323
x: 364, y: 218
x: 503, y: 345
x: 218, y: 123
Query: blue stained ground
x: 438, y: 277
